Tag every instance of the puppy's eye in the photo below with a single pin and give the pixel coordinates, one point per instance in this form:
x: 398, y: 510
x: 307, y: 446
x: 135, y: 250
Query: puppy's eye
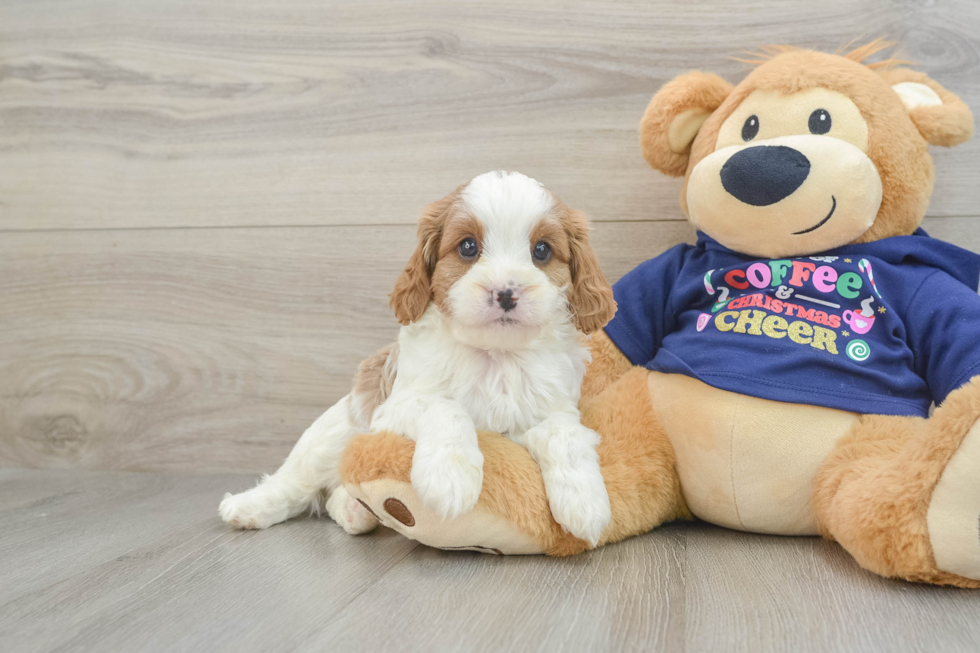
x: 819, y: 122
x: 750, y: 128
x: 468, y: 248
x: 541, y: 252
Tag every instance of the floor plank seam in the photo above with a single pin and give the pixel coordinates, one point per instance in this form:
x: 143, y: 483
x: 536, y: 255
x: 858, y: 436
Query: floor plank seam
x: 343, y: 608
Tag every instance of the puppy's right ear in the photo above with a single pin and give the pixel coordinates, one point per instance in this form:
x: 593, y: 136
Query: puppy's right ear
x: 413, y: 290
x: 674, y: 116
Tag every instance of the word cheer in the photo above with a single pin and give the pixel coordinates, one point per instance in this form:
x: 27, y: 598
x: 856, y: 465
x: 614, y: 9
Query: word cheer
x: 757, y: 323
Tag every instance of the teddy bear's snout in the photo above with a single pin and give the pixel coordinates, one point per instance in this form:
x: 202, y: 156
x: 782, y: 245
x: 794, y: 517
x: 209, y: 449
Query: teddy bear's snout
x: 764, y: 174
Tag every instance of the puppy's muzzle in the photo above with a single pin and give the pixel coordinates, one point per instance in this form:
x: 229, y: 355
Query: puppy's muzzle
x: 764, y: 174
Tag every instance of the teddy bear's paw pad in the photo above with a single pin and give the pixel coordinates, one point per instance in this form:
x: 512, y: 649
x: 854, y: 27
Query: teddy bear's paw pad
x: 252, y: 509
x: 399, y: 511
x: 398, y: 507
x: 954, y: 511
x: 352, y: 515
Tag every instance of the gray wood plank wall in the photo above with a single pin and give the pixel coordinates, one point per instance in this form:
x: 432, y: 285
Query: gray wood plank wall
x: 204, y: 205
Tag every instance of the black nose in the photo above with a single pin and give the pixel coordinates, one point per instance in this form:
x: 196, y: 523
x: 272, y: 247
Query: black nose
x: 506, y: 299
x: 764, y: 174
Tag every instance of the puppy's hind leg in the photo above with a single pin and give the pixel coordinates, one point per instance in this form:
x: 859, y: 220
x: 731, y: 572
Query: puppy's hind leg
x: 312, y: 466
x: 353, y: 516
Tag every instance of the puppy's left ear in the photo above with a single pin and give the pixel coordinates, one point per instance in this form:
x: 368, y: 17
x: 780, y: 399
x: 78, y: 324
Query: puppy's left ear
x: 940, y: 116
x: 591, y: 296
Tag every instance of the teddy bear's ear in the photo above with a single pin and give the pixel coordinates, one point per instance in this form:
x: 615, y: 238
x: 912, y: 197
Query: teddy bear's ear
x: 940, y: 116
x: 674, y: 116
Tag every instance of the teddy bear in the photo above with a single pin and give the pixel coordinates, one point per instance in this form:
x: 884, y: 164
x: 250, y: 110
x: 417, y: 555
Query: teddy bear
x: 779, y: 375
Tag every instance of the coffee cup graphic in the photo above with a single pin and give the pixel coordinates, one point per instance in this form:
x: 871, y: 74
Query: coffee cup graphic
x: 860, y: 323
x: 863, y: 321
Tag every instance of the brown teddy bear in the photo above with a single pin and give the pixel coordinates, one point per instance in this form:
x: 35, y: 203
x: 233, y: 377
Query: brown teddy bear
x: 777, y: 376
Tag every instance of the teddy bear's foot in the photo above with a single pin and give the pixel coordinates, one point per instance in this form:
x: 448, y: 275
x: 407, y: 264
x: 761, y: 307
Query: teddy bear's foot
x: 352, y: 515
x: 902, y: 494
x: 398, y: 507
x: 511, y: 516
x: 953, y: 517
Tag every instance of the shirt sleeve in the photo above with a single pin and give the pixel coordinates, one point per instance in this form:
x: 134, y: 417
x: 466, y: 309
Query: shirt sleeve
x: 643, y: 305
x: 943, y: 326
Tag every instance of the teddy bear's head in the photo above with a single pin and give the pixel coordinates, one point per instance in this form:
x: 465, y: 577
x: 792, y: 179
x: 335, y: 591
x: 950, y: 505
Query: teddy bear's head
x: 809, y: 152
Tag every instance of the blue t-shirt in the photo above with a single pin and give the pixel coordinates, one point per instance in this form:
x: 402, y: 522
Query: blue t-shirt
x: 885, y: 327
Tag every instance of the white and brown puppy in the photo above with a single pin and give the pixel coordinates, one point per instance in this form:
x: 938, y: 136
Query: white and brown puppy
x: 495, y: 303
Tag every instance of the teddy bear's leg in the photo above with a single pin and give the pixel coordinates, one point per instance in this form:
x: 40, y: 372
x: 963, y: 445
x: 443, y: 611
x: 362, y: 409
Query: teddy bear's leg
x: 512, y: 515
x: 902, y: 494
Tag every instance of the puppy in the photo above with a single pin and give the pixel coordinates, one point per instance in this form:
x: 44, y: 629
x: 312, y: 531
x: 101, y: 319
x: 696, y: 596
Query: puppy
x: 495, y: 305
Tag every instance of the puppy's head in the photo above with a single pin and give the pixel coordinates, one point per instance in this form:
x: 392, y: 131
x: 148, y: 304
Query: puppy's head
x: 502, y: 258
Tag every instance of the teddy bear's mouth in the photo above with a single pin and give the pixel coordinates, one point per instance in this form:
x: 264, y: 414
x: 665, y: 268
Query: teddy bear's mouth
x: 822, y: 222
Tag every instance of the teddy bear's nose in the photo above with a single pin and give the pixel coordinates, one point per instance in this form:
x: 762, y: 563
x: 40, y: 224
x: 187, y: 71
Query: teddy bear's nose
x: 764, y: 174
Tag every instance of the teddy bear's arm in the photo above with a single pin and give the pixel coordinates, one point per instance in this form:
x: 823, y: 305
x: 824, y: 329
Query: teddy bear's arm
x: 608, y: 364
x: 943, y: 326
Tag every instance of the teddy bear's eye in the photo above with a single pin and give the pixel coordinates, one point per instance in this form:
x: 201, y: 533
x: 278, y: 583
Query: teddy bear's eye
x: 750, y: 128
x: 819, y: 122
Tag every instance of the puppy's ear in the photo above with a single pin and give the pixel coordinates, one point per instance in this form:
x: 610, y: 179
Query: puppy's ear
x: 940, y: 116
x: 591, y: 297
x: 413, y: 290
x: 674, y: 117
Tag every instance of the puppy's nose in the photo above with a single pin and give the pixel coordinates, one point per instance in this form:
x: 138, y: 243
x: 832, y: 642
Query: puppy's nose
x: 506, y: 299
x: 764, y: 174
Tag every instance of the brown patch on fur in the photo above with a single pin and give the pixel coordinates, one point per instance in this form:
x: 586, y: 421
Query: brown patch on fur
x: 551, y: 231
x: 459, y: 227
x: 413, y: 290
x: 591, y: 296
x: 872, y: 493
x: 451, y: 266
x: 372, y: 384
x: 608, y: 365
x: 448, y: 271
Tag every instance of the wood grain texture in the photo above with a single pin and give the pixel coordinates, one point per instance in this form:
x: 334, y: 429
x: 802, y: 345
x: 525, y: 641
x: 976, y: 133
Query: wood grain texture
x: 206, y: 349
x: 246, y: 112
x: 212, y: 349
x: 109, y: 579
x: 203, y: 206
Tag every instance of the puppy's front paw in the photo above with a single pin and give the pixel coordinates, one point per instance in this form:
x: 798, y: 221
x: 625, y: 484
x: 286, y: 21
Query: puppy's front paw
x: 251, y: 509
x: 448, y: 479
x: 349, y: 513
x: 579, y: 502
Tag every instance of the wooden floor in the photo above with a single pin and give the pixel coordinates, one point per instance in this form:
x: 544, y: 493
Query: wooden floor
x: 203, y: 206
x: 120, y: 561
